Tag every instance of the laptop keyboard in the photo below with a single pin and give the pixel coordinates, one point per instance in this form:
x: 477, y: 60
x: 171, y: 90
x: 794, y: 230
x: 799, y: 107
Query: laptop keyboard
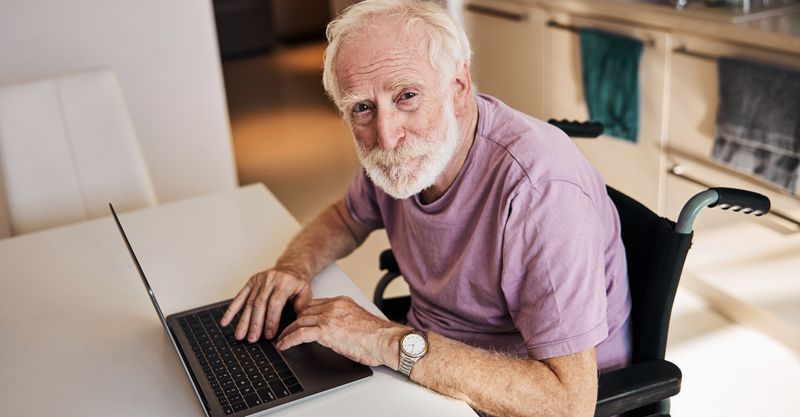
x: 242, y: 374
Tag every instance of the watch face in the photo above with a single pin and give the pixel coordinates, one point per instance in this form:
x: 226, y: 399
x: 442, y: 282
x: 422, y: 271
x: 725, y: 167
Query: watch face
x: 414, y: 344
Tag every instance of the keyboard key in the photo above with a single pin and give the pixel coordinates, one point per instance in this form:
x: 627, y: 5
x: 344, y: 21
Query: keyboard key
x: 276, y: 386
x: 282, y: 393
x: 290, y: 381
x: 227, y: 409
x: 294, y: 389
x: 252, y: 400
x: 235, y: 398
x: 273, y: 355
x: 266, y: 395
x: 239, y: 407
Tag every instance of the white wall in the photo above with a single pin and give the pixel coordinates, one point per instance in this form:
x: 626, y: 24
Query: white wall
x: 166, y: 56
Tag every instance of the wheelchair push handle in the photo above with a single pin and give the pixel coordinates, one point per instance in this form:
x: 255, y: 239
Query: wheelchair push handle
x: 742, y: 200
x: 735, y: 199
x: 576, y: 129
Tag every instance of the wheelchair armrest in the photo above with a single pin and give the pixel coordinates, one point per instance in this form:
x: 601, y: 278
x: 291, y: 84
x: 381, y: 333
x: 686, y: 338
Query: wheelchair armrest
x: 635, y: 386
x: 388, y: 263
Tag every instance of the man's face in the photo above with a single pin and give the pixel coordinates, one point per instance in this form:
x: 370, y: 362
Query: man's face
x: 401, y: 116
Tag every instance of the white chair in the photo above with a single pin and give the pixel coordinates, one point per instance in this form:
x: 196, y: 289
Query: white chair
x: 67, y: 148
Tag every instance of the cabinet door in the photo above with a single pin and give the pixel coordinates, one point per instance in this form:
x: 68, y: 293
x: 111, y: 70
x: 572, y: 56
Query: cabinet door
x: 692, y: 119
x: 634, y: 169
x: 507, y: 44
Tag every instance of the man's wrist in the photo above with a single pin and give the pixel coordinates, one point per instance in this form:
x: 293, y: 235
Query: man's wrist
x: 293, y: 269
x: 391, y: 346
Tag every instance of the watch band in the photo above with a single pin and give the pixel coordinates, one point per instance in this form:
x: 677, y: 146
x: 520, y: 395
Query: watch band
x: 406, y: 363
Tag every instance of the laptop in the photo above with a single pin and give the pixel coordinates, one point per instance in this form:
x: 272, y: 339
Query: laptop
x: 238, y: 378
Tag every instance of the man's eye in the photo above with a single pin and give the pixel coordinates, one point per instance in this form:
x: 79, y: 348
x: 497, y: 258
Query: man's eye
x: 408, y: 95
x: 360, y: 107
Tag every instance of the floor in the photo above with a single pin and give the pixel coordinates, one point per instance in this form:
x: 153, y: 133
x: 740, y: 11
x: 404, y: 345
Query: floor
x: 288, y: 136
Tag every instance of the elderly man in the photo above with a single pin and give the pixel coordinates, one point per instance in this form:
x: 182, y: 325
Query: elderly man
x: 504, y: 232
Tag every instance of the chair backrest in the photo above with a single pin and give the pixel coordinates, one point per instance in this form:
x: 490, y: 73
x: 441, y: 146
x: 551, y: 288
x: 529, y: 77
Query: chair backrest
x: 655, y: 255
x: 67, y: 148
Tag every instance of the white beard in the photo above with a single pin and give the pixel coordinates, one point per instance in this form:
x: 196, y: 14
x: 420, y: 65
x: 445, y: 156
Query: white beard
x: 415, y: 163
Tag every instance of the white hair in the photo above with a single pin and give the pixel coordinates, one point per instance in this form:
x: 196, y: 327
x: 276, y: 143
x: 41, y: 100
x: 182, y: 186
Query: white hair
x: 448, y: 45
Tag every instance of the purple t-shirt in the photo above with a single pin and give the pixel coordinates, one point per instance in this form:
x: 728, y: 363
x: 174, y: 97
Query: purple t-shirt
x: 522, y: 254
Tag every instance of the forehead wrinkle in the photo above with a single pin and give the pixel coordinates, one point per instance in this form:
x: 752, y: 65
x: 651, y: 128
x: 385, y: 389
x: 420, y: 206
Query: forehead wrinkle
x: 356, y: 70
x: 398, y: 77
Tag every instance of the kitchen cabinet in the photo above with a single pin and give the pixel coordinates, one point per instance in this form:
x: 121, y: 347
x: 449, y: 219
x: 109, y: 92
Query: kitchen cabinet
x: 746, y: 267
x: 507, y: 43
x: 635, y: 169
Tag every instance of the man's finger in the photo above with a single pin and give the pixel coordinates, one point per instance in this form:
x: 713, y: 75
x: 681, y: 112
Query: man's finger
x: 259, y: 311
x: 311, y: 310
x: 236, y: 305
x: 301, y: 300
x: 274, y: 309
x: 244, y: 321
x: 302, y: 321
x: 318, y: 301
x: 301, y: 335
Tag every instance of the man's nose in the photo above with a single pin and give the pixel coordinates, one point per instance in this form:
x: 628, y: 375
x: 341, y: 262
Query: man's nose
x: 389, y: 128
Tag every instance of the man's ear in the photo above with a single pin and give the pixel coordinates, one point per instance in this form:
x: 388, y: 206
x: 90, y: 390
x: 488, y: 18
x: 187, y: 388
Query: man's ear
x: 463, y: 88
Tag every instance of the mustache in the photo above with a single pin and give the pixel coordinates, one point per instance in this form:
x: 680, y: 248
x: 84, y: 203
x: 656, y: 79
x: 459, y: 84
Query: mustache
x: 410, y: 148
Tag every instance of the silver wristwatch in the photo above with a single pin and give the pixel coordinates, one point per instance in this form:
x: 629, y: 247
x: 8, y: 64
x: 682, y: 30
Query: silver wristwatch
x: 413, y: 346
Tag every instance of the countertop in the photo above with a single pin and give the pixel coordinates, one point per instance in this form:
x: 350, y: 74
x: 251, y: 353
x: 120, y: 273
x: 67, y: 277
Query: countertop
x: 778, y: 33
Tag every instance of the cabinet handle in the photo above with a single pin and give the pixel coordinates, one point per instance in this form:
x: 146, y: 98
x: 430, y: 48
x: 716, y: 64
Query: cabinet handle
x: 649, y: 42
x: 684, y: 51
x: 502, y: 14
x: 679, y: 171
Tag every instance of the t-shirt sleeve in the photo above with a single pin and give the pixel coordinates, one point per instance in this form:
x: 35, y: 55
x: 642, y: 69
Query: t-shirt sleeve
x: 553, y: 275
x: 361, y: 201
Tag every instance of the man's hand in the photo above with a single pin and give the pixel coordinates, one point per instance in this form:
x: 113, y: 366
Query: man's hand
x: 263, y: 299
x: 343, y: 326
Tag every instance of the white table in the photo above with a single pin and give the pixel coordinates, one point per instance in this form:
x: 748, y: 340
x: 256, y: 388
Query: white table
x: 80, y: 337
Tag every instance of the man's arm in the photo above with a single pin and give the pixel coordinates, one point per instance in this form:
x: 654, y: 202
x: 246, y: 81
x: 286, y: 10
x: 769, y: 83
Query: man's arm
x: 504, y: 386
x: 331, y: 235
x: 497, y: 384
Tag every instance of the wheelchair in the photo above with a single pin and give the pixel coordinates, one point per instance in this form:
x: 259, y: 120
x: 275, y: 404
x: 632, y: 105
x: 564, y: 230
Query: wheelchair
x: 656, y: 249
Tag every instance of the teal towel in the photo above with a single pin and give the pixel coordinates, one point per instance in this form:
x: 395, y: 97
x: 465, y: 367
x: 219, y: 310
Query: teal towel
x: 611, y: 81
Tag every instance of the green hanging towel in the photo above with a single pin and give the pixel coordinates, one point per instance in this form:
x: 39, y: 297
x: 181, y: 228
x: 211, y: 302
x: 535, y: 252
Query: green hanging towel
x: 611, y: 81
